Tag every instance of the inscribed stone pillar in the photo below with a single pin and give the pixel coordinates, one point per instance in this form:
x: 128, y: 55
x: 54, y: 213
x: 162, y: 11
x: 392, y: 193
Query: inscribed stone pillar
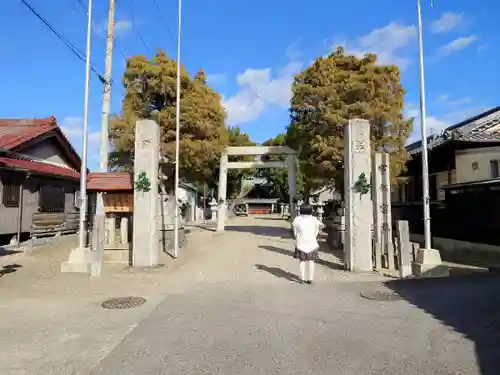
x: 359, y: 211
x: 292, y: 183
x: 145, y: 238
x: 222, y: 192
x: 377, y: 207
x: 110, y: 230
x: 124, y: 230
x: 387, y: 241
x: 404, y: 249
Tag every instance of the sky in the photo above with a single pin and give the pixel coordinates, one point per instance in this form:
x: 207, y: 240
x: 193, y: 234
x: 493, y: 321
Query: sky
x: 250, y: 51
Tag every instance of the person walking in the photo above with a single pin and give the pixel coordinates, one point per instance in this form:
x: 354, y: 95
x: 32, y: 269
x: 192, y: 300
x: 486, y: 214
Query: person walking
x: 305, y: 230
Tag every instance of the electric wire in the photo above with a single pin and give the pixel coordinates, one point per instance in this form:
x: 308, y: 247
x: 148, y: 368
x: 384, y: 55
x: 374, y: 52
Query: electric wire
x: 77, y: 52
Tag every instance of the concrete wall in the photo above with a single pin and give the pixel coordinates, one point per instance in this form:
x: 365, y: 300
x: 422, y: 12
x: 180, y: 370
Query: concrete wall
x: 474, y: 164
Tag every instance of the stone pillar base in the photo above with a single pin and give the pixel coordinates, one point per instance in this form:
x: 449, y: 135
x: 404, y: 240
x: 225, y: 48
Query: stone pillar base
x: 428, y: 264
x: 80, y: 260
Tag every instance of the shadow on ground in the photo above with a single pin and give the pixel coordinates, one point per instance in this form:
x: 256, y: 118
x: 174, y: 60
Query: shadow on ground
x: 470, y: 304
x: 4, y: 252
x: 278, y: 272
x: 261, y: 231
x: 322, y: 262
x: 10, y: 268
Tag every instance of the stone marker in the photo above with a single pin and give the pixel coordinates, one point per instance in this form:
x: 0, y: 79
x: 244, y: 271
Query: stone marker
x: 404, y: 249
x: 359, y: 211
x: 387, y: 239
x: 146, y: 161
x: 377, y: 208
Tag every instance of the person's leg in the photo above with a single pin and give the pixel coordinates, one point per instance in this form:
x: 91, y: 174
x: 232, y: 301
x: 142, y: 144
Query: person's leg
x: 302, y: 270
x: 310, y: 266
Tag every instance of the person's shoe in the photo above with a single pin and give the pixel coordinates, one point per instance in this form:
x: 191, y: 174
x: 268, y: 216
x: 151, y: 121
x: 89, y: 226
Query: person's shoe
x: 301, y: 281
x: 310, y: 282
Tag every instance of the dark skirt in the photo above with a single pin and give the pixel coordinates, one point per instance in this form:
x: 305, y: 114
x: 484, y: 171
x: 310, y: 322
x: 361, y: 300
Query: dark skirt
x: 300, y: 255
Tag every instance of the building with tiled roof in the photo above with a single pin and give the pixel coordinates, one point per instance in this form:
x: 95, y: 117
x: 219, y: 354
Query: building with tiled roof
x: 465, y: 152
x: 39, y: 172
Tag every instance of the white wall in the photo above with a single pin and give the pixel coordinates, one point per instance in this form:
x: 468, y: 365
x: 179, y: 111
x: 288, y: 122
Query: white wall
x: 474, y: 165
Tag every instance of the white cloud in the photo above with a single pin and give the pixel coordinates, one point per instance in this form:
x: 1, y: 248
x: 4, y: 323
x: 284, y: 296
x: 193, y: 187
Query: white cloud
x: 389, y: 43
x: 259, y: 90
x: 433, y: 124
x: 121, y: 28
x: 447, y: 22
x: 458, y: 44
x: 217, y: 79
x: 293, y: 52
x: 72, y: 128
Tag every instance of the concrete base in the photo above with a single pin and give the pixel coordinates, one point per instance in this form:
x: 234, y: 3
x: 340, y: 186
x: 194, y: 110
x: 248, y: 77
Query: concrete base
x: 80, y: 260
x: 117, y: 255
x: 428, y: 264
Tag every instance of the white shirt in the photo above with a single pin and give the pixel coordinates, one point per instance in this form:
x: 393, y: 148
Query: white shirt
x: 306, y: 230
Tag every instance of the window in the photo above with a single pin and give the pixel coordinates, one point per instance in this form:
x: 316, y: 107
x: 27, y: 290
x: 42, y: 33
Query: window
x: 11, y: 194
x: 494, y: 171
x: 51, y: 198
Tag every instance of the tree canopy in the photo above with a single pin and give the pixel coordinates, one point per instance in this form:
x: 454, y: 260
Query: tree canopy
x: 235, y: 176
x: 333, y: 90
x: 278, y: 177
x: 150, y: 91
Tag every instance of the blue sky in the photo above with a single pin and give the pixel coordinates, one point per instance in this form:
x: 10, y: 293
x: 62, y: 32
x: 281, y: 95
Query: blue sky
x: 250, y: 51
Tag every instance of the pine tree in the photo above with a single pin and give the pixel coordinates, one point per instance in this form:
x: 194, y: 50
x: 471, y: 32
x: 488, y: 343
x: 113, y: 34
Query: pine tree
x: 333, y: 90
x: 150, y: 90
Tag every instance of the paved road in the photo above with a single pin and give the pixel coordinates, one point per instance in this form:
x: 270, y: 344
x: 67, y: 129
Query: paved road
x: 241, y: 312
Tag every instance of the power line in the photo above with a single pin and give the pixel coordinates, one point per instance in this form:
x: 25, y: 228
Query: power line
x: 84, y: 7
x: 164, y: 21
x: 138, y: 32
x: 79, y: 54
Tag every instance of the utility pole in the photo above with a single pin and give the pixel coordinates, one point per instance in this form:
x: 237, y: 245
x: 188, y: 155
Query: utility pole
x: 106, y: 99
x: 423, y: 125
x: 83, y: 170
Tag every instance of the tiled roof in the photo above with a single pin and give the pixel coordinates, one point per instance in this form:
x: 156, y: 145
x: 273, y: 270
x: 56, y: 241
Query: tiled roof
x: 109, y: 181
x: 38, y: 167
x: 475, y: 129
x: 14, y: 132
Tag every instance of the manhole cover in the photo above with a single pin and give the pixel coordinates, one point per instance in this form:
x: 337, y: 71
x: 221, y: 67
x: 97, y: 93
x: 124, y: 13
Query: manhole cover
x: 123, y: 302
x: 381, y: 296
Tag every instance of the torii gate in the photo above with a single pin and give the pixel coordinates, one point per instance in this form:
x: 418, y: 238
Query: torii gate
x: 290, y: 164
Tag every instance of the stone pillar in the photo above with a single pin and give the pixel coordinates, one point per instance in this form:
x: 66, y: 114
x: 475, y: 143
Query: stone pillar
x: 272, y: 208
x: 213, y: 209
x: 110, y: 230
x: 222, y: 195
x: 404, y: 249
x: 292, y: 183
x: 124, y: 230
x: 357, y: 169
x: 377, y: 208
x: 145, y: 238
x: 387, y: 241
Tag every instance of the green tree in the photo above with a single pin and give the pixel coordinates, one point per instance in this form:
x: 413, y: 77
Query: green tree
x: 235, y: 176
x: 278, y: 177
x: 151, y: 85
x: 333, y: 90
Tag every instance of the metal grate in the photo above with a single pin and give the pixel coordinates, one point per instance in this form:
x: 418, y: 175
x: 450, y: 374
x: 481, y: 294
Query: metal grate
x: 123, y: 302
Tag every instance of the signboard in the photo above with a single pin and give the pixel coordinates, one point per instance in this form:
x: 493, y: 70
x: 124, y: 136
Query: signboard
x: 118, y: 202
